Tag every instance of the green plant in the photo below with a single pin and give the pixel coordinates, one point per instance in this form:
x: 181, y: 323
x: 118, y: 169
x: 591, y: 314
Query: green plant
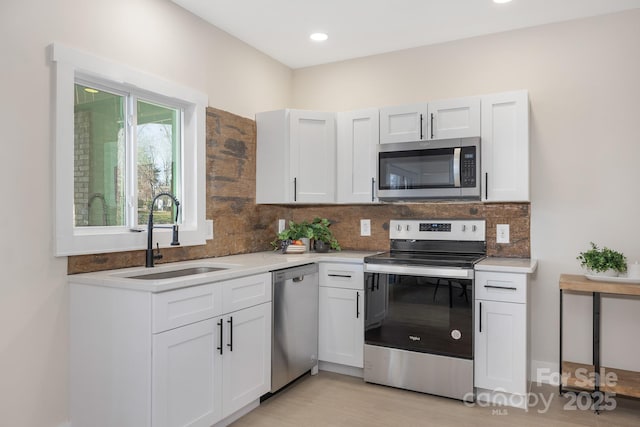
x: 295, y: 231
x: 320, y: 231
x: 600, y: 260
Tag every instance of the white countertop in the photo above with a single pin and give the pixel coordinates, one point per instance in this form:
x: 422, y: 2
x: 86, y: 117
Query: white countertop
x: 236, y: 266
x: 507, y: 265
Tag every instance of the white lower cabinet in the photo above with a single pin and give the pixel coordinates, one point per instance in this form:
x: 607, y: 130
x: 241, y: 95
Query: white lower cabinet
x: 341, y: 314
x: 501, y: 331
x: 187, y: 376
x: 500, y: 358
x: 186, y: 357
x: 208, y: 370
x: 247, y: 357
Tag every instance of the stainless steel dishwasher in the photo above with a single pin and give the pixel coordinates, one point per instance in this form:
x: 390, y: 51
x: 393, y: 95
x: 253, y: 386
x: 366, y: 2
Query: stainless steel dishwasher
x: 294, y: 339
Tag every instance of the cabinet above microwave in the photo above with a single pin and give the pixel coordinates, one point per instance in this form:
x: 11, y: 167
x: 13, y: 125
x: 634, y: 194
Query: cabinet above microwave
x: 451, y: 118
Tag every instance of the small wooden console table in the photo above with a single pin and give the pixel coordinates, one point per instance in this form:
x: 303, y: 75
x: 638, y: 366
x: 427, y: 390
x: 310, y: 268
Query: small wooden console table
x: 628, y: 382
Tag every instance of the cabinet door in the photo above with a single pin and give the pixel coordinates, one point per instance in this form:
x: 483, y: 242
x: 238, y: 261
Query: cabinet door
x: 501, y: 346
x: 313, y: 156
x: 454, y: 118
x: 341, y: 328
x: 403, y: 123
x: 186, y: 376
x: 273, y: 177
x: 505, y: 147
x: 358, y: 136
x: 247, y: 357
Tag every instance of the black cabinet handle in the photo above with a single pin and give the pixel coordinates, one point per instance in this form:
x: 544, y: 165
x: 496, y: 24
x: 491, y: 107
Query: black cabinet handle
x: 480, y: 316
x: 509, y: 288
x: 431, y: 125
x: 230, y: 322
x: 486, y: 185
x: 373, y: 191
x: 221, y: 346
x: 346, y: 276
x: 421, y: 120
x: 357, y: 305
x: 295, y: 189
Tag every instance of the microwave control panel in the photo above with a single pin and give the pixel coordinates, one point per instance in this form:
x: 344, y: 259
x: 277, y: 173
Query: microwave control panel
x: 468, y: 167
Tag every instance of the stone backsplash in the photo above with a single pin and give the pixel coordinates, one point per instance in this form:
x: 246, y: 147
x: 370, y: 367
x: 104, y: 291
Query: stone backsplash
x: 241, y: 226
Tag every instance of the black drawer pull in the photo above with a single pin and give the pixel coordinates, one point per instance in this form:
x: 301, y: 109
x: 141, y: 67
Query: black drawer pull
x: 230, y: 322
x: 509, y: 288
x: 221, y: 346
x: 346, y: 276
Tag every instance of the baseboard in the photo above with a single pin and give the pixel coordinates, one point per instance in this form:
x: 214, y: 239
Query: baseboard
x: 238, y: 414
x: 494, y: 398
x: 545, y: 372
x: 341, y: 369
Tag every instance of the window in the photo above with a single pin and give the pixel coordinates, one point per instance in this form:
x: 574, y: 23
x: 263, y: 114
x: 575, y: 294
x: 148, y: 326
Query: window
x: 122, y: 137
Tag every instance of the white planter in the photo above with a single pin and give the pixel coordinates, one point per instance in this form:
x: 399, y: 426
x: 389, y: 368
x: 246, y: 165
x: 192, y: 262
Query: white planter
x: 607, y: 273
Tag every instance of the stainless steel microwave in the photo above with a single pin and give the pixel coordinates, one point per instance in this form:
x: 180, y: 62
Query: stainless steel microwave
x: 436, y: 169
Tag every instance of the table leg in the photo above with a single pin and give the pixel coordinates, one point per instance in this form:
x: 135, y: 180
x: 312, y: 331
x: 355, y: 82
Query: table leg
x: 596, y: 352
x: 560, y: 384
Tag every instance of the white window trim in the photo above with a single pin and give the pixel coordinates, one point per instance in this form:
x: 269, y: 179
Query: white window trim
x: 70, y: 63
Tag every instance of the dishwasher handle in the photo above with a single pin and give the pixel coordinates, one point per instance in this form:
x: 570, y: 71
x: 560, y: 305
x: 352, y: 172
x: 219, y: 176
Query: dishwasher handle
x: 295, y: 273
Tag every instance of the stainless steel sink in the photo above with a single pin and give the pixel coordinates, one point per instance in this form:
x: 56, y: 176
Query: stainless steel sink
x: 176, y: 273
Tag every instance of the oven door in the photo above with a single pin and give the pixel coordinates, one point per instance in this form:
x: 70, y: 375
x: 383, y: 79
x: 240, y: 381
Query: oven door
x: 431, y: 169
x: 424, y: 314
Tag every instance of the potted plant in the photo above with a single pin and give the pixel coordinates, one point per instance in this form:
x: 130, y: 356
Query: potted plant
x: 322, y: 237
x: 295, y: 231
x: 603, y: 262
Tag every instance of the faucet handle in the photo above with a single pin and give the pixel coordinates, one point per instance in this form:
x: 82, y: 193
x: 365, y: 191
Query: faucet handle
x: 157, y: 255
x: 174, y: 240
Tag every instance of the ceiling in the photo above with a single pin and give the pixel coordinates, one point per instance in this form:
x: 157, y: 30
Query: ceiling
x: 357, y: 28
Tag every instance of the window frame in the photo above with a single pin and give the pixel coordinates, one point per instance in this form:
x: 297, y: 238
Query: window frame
x: 71, y: 66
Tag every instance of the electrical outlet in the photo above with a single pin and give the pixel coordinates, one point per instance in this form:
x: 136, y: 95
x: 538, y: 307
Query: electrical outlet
x: 502, y: 233
x: 281, y: 225
x: 365, y: 227
x: 209, y: 223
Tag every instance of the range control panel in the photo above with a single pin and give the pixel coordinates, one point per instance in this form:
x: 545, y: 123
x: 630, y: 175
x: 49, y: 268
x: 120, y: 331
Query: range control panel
x: 451, y: 229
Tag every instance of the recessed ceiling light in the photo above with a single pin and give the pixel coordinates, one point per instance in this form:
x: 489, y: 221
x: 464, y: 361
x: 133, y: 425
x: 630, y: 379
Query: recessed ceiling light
x: 501, y: 1
x: 90, y: 90
x: 318, y: 37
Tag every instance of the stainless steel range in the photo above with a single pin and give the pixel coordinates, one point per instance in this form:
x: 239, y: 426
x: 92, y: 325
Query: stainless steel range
x: 419, y: 307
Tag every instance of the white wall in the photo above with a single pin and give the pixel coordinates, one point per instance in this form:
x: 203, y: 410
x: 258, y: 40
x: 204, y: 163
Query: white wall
x: 583, y: 79
x: 154, y: 36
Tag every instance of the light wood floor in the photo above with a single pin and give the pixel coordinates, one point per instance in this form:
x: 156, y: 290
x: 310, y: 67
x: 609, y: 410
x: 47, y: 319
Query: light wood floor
x: 330, y: 399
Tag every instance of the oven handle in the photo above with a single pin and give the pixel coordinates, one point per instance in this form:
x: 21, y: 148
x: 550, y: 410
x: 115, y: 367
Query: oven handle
x: 409, y: 270
x: 456, y: 167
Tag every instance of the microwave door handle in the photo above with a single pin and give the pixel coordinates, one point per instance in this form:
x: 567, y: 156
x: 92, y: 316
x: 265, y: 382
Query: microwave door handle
x: 456, y: 167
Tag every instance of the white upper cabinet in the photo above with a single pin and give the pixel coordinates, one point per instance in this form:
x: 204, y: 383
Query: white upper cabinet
x: 450, y: 118
x: 454, y: 118
x: 358, y: 135
x: 402, y: 123
x: 296, y: 157
x: 505, y: 147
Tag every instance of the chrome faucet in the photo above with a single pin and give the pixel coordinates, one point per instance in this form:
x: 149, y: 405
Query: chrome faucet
x: 174, y: 241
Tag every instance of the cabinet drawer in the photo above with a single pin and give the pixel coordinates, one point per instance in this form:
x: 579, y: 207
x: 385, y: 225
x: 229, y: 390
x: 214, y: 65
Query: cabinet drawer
x: 183, y: 306
x: 338, y: 275
x: 507, y: 287
x: 246, y: 292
